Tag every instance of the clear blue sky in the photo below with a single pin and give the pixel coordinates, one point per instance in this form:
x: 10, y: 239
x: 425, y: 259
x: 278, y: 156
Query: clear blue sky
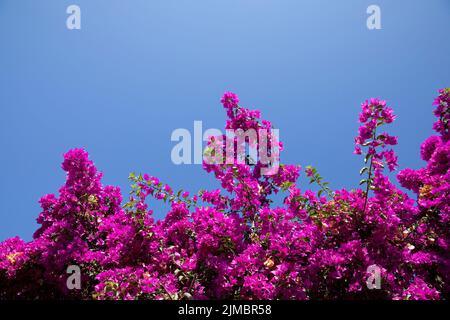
x: 139, y: 69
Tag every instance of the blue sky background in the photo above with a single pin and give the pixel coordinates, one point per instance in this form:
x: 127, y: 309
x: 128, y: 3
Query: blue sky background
x: 139, y: 69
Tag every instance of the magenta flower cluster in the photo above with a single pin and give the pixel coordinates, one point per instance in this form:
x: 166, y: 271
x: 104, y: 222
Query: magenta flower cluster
x: 237, y: 242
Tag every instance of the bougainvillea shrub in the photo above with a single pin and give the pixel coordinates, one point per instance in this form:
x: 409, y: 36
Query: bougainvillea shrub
x: 237, y: 242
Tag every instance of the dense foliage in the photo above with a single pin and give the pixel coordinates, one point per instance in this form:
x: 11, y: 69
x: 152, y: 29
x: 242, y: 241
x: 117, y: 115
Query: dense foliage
x: 236, y: 242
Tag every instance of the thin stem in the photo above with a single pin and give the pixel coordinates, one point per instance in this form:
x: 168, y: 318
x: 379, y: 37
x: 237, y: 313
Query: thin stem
x: 325, y: 189
x: 369, y: 174
x: 167, y: 292
x: 368, y: 185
